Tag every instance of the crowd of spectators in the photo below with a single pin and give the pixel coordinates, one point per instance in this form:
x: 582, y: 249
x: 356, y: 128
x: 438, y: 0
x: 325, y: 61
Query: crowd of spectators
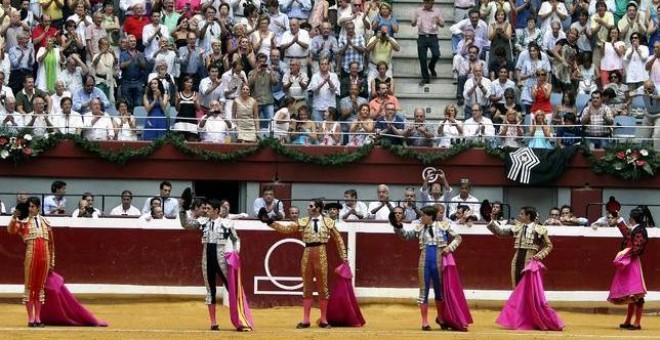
x: 463, y: 207
x: 320, y: 72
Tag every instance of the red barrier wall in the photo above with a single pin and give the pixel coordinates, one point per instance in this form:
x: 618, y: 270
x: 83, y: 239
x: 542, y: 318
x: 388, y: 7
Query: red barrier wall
x: 163, y: 257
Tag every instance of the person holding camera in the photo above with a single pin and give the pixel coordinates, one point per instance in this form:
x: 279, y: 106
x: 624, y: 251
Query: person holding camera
x: 84, y: 210
x: 420, y: 132
x: 86, y: 207
x: 380, y: 49
x: 214, y: 127
x: 209, y: 29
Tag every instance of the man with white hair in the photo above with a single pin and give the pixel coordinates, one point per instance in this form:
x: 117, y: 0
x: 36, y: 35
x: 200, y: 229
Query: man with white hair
x: 10, y: 119
x: 56, y: 97
x: 214, y: 126
x: 295, y: 43
x: 38, y: 121
x: 98, y: 124
x: 73, y: 72
x: 380, y: 209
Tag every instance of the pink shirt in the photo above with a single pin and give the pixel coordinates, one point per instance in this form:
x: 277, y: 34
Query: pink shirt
x: 194, y: 6
x: 427, y: 21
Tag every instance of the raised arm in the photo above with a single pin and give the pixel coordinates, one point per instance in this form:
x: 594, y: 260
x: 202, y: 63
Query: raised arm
x: 499, y: 231
x: 186, y: 223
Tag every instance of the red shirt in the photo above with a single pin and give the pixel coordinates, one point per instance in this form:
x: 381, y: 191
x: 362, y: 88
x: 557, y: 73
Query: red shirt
x: 39, y: 30
x: 134, y: 26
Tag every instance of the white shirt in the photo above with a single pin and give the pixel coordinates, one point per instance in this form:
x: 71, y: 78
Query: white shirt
x: 216, y: 94
x: 636, y: 65
x: 95, y: 214
x: 39, y: 126
x: 11, y: 126
x: 471, y: 201
x: 119, y: 211
x: 360, y: 208
x: 68, y: 124
x: 170, y: 207
x: 72, y: 81
x: 149, y: 31
x: 56, y: 109
x: 296, y: 50
x: 472, y: 128
x: 324, y: 97
x: 214, y: 130
x: 546, y: 8
x: 479, y: 96
x: 170, y: 59
x: 102, y: 128
x: 126, y: 4
x: 229, y: 81
x: 212, y: 32
x: 429, y: 200
x: 382, y: 213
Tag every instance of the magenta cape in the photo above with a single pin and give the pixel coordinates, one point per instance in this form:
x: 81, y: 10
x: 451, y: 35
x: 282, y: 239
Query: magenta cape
x: 343, y: 309
x: 527, y: 308
x: 239, y: 309
x: 456, y: 312
x: 62, y: 308
x: 628, y: 283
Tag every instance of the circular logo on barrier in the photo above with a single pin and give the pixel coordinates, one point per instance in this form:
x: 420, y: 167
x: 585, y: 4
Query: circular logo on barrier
x: 431, y: 174
x: 267, y: 263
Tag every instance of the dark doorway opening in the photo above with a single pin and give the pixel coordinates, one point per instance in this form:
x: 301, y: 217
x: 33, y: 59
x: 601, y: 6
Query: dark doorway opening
x: 221, y: 190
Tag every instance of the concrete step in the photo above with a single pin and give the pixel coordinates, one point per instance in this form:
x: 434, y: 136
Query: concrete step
x: 409, y: 67
x: 434, y: 107
x: 436, y: 89
x: 408, y: 32
x: 409, y: 49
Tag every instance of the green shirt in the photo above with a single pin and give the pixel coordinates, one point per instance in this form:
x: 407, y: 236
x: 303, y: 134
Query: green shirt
x: 22, y: 99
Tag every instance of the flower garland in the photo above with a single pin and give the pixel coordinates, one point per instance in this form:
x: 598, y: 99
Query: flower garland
x: 16, y: 146
x: 627, y: 161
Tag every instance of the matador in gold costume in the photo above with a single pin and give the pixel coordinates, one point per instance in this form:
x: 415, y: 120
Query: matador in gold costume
x: 316, y: 231
x: 39, y: 254
x: 531, y: 241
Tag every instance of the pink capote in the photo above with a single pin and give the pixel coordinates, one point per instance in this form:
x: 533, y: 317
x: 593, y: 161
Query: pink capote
x: 239, y: 309
x: 628, y: 283
x: 62, y: 308
x: 527, y: 308
x: 343, y: 309
x: 456, y: 312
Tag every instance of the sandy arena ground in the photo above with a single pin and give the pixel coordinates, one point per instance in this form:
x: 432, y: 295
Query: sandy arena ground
x: 189, y: 320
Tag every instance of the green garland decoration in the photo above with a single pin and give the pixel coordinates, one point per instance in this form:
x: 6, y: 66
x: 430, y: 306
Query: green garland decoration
x: 340, y: 158
x: 94, y: 148
x: 427, y: 157
x: 626, y: 161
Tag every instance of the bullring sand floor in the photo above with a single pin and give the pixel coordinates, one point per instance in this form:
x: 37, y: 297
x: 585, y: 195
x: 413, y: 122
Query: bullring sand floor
x: 189, y: 320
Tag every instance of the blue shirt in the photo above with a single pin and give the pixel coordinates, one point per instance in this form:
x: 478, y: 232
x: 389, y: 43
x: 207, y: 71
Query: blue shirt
x: 134, y: 71
x: 523, y: 15
x: 382, y: 126
x: 25, y: 63
x: 81, y: 97
x: 296, y: 9
x: 192, y: 65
